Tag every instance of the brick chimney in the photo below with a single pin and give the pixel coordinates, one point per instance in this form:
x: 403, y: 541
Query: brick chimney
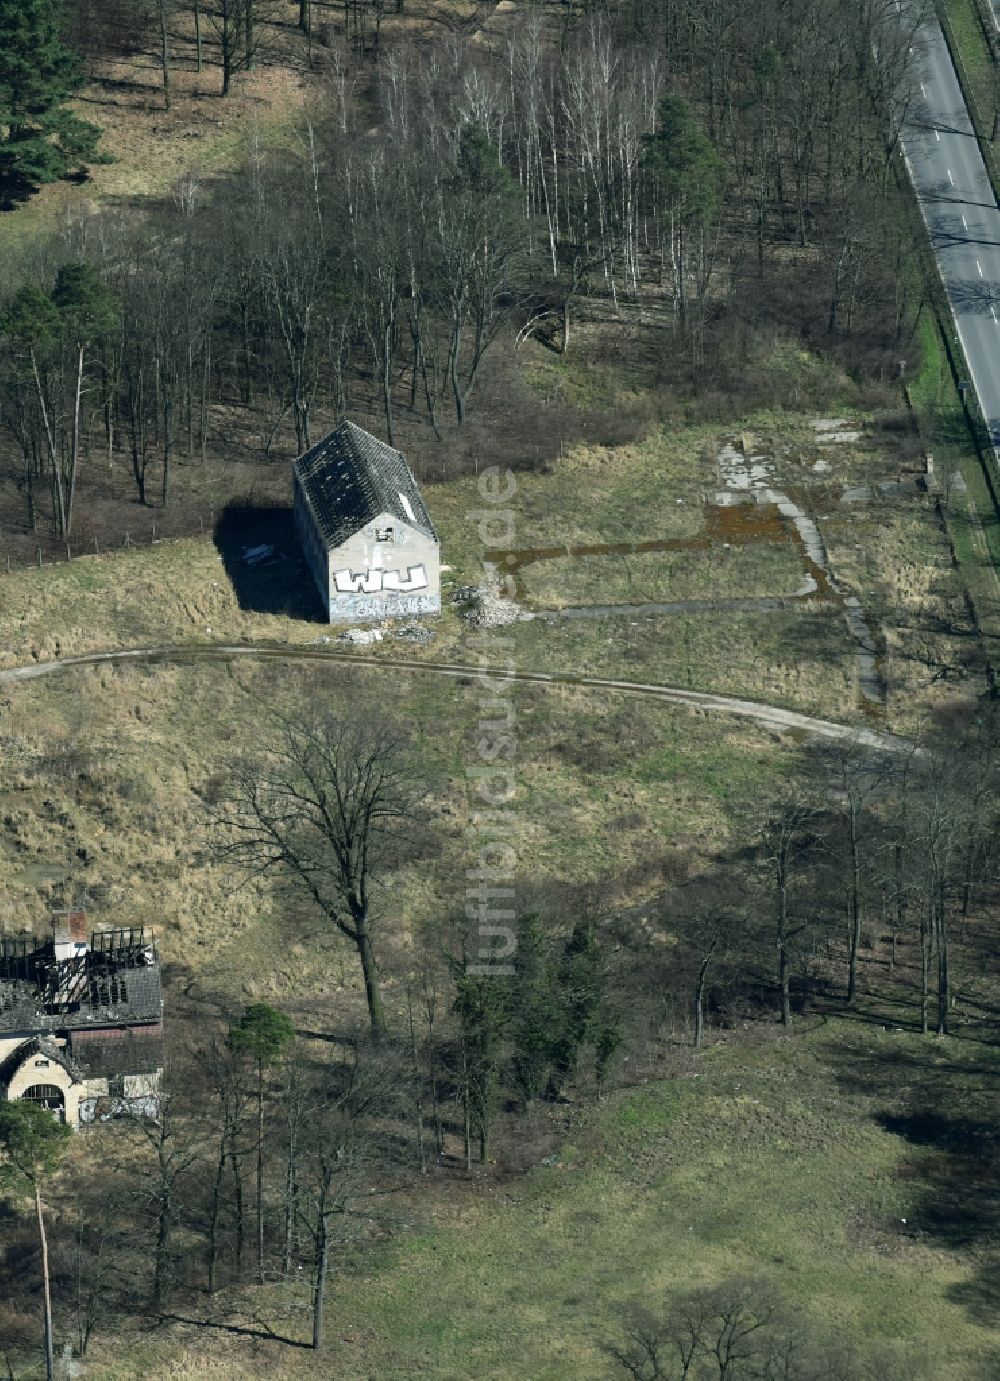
x: 69, y: 934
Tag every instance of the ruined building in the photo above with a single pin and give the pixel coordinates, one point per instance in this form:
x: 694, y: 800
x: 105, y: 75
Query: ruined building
x: 81, y: 1021
x: 364, y: 529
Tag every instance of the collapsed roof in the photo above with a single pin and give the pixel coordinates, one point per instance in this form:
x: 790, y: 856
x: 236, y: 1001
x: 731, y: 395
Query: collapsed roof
x: 115, y: 983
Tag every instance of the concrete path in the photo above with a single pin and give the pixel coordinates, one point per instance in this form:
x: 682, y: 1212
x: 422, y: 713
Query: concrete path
x: 771, y: 716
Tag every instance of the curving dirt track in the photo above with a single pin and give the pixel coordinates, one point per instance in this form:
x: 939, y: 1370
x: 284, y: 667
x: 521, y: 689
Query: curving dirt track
x: 773, y: 716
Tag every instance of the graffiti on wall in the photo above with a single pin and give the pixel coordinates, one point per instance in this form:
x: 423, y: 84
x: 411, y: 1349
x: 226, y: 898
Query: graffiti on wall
x: 105, y: 1108
x: 371, y: 582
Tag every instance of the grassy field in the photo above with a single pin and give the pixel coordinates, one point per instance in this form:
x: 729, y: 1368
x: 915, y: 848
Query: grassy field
x: 794, y: 1162
x: 105, y: 774
x: 890, y: 553
x: 848, y: 1170
x: 970, y: 516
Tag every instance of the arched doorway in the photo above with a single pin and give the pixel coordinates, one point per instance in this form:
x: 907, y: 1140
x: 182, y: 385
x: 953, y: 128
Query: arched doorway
x: 47, y: 1096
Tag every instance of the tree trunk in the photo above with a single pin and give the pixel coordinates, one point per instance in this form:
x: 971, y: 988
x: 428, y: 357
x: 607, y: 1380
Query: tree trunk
x: 419, y: 1095
x: 46, y: 1288
x: 319, y: 1281
x: 944, y: 977
x: 213, y: 1225
x: 50, y: 441
x: 466, y: 1106
x: 260, y: 1173
x: 369, y: 968
x: 249, y: 35
x: 197, y: 33
x: 387, y: 382
x: 75, y: 452
x: 228, y: 41
x: 168, y: 441
x: 234, y: 1161
x: 925, y: 963
x: 699, y: 1000
x: 291, y: 1202
x: 784, y: 976
x: 163, y: 1226
x: 165, y: 54
x: 855, y: 903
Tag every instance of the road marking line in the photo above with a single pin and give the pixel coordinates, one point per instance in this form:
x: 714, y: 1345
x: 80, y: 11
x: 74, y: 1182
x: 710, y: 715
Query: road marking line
x: 993, y: 313
x: 964, y: 223
x: 979, y: 267
x: 937, y: 135
x: 923, y: 89
x: 950, y: 178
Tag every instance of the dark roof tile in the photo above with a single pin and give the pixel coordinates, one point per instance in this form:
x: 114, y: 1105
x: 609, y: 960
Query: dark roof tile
x: 122, y: 997
x: 350, y: 477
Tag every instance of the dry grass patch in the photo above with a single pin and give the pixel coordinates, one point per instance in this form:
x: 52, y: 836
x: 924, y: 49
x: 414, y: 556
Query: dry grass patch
x: 107, y: 770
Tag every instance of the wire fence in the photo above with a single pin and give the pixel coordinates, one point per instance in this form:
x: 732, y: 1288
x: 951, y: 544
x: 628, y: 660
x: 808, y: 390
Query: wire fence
x: 54, y: 551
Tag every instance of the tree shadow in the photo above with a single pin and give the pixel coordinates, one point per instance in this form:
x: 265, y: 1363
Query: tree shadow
x: 274, y: 580
x: 943, y: 1110
x: 15, y: 191
x: 264, y: 1335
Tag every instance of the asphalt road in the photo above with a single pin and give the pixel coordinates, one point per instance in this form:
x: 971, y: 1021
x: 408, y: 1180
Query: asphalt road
x: 960, y: 211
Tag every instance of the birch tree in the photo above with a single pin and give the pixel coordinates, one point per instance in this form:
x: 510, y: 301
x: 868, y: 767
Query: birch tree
x: 31, y: 1143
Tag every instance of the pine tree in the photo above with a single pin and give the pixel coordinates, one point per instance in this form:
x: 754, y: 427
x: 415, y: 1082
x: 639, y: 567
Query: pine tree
x: 681, y: 157
x: 536, y: 1011
x: 263, y: 1034
x: 481, y: 1011
x: 40, y: 139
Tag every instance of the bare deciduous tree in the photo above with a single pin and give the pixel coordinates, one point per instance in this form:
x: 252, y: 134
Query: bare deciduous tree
x: 318, y: 808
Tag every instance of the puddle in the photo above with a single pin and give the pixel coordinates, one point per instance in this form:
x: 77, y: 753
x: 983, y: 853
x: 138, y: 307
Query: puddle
x: 747, y: 510
x: 37, y: 874
x: 726, y: 524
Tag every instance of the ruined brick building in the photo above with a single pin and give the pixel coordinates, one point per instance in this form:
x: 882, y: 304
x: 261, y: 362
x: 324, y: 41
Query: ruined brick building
x: 364, y: 529
x: 81, y: 1021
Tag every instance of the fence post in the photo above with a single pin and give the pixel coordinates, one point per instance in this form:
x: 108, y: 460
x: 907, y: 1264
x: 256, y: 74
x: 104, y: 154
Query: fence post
x: 96, y: 551
x: 69, y: 554
x: 153, y: 538
x: 39, y: 558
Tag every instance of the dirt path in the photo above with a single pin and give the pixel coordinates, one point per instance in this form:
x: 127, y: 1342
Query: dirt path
x: 772, y: 716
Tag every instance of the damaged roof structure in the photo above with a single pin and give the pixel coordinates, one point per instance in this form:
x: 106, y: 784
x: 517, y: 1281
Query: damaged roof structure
x: 364, y: 529
x: 351, y: 478
x: 81, y: 1020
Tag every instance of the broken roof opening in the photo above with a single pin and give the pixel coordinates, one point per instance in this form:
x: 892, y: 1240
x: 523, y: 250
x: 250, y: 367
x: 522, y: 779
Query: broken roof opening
x: 350, y: 478
x: 114, y: 981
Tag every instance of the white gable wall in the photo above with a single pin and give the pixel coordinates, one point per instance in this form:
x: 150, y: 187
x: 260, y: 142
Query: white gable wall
x: 369, y: 578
